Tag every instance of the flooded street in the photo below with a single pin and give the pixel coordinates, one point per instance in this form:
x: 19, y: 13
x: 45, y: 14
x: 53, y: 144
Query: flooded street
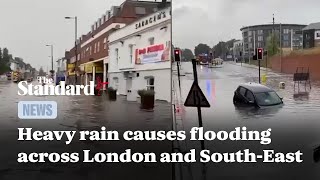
x: 295, y: 125
x: 80, y: 113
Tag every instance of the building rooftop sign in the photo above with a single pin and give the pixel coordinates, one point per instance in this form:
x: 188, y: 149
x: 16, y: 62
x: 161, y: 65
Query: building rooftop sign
x: 153, y: 19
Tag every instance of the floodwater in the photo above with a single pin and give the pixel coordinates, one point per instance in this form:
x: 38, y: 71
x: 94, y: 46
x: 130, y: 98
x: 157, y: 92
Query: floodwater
x: 81, y: 113
x: 295, y: 125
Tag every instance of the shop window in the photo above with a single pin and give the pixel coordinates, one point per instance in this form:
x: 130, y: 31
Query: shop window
x: 150, y: 83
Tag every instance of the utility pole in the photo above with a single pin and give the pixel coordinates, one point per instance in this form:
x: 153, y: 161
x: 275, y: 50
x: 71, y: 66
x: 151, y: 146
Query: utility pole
x: 76, y: 48
x: 75, y: 45
x: 273, y: 34
x: 249, y: 49
x: 280, y: 48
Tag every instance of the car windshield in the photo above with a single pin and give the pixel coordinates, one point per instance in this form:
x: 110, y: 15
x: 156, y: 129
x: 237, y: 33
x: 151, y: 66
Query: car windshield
x: 268, y: 98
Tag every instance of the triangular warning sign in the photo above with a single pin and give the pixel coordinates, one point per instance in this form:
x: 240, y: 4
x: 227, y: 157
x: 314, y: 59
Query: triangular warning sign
x: 196, y: 98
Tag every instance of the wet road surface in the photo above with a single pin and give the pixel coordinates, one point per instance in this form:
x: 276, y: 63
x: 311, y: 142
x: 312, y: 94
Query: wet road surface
x: 295, y: 126
x: 81, y: 113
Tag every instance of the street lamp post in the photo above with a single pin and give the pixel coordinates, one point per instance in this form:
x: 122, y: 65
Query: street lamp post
x: 50, y: 45
x: 75, y: 43
x: 51, y: 55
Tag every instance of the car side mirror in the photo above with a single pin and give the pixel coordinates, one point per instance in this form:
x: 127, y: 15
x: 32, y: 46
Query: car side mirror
x: 281, y: 98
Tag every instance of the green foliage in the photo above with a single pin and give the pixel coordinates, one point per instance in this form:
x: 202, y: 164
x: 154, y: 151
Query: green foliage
x: 223, y: 47
x: 4, y: 61
x: 187, y: 55
x: 201, y: 48
x: 273, y: 45
x: 145, y: 92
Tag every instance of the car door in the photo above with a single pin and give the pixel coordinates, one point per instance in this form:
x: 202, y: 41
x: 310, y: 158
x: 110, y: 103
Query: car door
x: 249, y: 98
x: 240, y: 96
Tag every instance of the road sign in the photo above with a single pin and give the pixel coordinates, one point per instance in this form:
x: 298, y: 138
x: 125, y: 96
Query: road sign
x: 196, y: 98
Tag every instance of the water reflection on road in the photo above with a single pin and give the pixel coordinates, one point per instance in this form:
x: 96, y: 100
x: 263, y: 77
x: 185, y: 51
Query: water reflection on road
x: 295, y: 125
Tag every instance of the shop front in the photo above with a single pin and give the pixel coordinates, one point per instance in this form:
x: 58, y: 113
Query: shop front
x: 71, y: 73
x: 93, y: 72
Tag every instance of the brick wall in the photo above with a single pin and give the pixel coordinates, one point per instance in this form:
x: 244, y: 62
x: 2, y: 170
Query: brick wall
x: 290, y: 64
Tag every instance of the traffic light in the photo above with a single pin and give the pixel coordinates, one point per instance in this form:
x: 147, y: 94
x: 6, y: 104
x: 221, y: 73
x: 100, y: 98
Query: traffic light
x: 177, y: 55
x: 260, y: 53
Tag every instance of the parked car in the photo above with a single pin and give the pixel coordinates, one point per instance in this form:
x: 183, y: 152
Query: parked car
x: 252, y: 94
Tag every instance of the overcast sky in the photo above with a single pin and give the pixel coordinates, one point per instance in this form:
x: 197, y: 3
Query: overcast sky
x: 26, y: 26
x: 211, y: 21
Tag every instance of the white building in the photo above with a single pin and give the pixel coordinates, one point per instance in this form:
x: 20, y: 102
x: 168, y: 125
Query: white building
x: 14, y: 65
x: 140, y: 57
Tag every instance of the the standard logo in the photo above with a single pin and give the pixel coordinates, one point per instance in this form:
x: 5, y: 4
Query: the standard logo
x: 46, y: 87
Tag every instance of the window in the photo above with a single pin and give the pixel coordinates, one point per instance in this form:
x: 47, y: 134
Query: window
x: 150, y: 83
x: 98, y: 46
x: 140, y: 10
x: 286, y: 31
x: 250, y: 45
x: 259, y: 44
x: 285, y: 43
x: 249, y: 96
x: 105, y: 43
x: 242, y: 91
x: 130, y: 53
x: 260, y: 32
x: 117, y: 54
x: 95, y: 48
x: 286, y: 37
x: 151, y: 41
x: 250, y: 39
x: 250, y: 33
x: 260, y: 38
x: 90, y: 50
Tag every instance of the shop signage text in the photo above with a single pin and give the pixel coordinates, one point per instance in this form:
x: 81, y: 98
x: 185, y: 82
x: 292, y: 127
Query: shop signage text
x: 151, y: 20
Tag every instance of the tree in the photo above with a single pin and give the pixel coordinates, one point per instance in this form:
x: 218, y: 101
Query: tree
x: 187, y: 54
x: 201, y: 48
x: 4, y: 61
x: 273, y: 45
x: 0, y: 55
x: 41, y: 72
x: 223, y: 48
x: 5, y: 56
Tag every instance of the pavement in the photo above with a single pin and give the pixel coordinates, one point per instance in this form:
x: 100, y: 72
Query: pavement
x: 81, y: 113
